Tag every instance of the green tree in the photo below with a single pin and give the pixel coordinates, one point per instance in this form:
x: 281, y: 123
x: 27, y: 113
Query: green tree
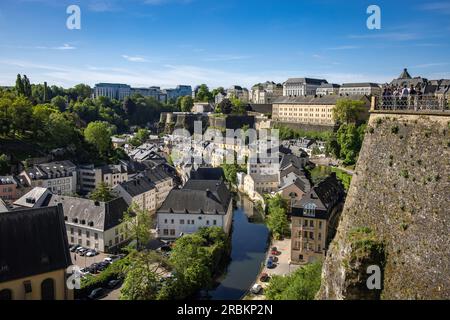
x: 142, y: 135
x: 102, y: 193
x: 348, y: 111
x: 19, y: 86
x: 191, y: 261
x: 143, y: 276
x: 21, y: 114
x: 4, y: 164
x: 99, y: 134
x: 303, y: 284
x: 60, y: 103
x: 138, y: 224
x: 203, y: 94
x: 186, y: 104
x: 277, y: 222
x: 225, y: 106
x: 26, y: 86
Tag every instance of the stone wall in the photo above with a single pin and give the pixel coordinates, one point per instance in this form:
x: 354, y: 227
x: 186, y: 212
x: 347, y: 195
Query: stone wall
x: 396, y: 214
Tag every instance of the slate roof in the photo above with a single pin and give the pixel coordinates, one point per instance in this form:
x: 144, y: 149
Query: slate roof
x: 290, y: 159
x: 305, y: 80
x: 405, y: 74
x: 138, y: 186
x: 158, y: 175
x: 33, y: 197
x: 32, y: 241
x: 98, y: 215
x: 204, y: 173
x: 198, y: 197
x: 51, y: 170
x: 7, y: 180
x: 324, y: 195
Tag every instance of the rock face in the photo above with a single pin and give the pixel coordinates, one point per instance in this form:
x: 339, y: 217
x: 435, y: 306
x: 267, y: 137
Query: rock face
x: 397, y: 214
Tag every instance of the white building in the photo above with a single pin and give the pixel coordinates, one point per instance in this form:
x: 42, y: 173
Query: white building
x: 263, y: 93
x: 201, y: 203
x: 327, y: 89
x: 296, y: 87
x: 92, y: 224
x: 90, y: 177
x: 349, y: 89
x: 60, y: 177
x: 239, y: 93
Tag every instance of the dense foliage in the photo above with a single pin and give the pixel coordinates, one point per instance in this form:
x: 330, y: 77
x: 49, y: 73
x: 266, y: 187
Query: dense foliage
x: 277, y: 220
x: 303, y: 284
x: 51, y: 117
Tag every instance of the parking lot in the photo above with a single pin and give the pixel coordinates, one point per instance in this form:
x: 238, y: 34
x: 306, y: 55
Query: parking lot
x: 282, y: 267
x: 84, y: 262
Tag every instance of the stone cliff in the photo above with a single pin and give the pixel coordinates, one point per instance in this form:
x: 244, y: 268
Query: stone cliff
x: 397, y: 214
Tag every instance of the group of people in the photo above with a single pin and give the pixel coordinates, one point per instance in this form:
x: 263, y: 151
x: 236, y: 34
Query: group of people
x: 402, y: 97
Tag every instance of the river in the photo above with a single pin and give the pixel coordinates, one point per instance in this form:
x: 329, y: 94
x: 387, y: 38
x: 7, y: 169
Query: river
x: 249, y: 245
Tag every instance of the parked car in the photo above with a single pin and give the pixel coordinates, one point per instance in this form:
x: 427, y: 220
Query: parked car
x: 83, y: 252
x: 264, y: 277
x: 91, y: 253
x: 270, y: 264
x: 97, y: 294
x: 114, y: 283
x: 256, y: 289
x: 74, y: 248
x: 274, y: 251
x: 79, y: 249
x: 274, y: 259
x: 108, y: 260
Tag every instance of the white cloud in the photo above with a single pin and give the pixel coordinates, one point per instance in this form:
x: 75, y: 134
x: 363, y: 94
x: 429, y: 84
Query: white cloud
x: 439, y: 7
x: 134, y: 58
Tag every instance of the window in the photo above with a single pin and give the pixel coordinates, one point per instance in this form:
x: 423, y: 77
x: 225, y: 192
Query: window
x: 88, y: 234
x: 311, y: 223
x: 309, y: 210
x: 172, y: 221
x: 48, y: 289
x: 207, y: 222
x: 72, y: 239
x: 79, y: 232
x: 96, y: 236
x: 165, y: 232
x: 88, y: 243
x: 181, y: 221
x: 5, y: 294
x: 172, y: 232
x: 215, y: 222
x: 71, y: 230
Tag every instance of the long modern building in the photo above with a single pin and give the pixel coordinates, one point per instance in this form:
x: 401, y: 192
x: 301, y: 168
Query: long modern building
x: 120, y: 91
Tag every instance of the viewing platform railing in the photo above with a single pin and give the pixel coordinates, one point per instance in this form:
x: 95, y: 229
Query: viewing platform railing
x: 411, y: 104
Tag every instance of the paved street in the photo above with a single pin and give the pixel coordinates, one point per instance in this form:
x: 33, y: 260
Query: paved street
x: 283, y: 265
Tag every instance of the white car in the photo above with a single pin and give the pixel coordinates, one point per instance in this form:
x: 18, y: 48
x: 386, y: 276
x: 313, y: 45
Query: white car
x: 91, y: 253
x: 256, y: 289
x: 108, y: 259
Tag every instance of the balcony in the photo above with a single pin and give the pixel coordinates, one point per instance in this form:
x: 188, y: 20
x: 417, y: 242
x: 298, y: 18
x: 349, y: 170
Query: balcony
x: 411, y: 104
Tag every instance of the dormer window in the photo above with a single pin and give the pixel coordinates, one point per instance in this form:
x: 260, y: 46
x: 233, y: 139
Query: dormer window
x: 75, y: 220
x: 309, y: 210
x: 83, y: 221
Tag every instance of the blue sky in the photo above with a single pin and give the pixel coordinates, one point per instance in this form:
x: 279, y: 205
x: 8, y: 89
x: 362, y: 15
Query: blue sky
x: 221, y: 42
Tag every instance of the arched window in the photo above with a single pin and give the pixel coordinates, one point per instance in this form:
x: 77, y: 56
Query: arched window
x: 5, y: 294
x: 48, y: 289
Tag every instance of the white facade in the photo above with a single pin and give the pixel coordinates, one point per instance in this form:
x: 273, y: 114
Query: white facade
x: 172, y: 225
